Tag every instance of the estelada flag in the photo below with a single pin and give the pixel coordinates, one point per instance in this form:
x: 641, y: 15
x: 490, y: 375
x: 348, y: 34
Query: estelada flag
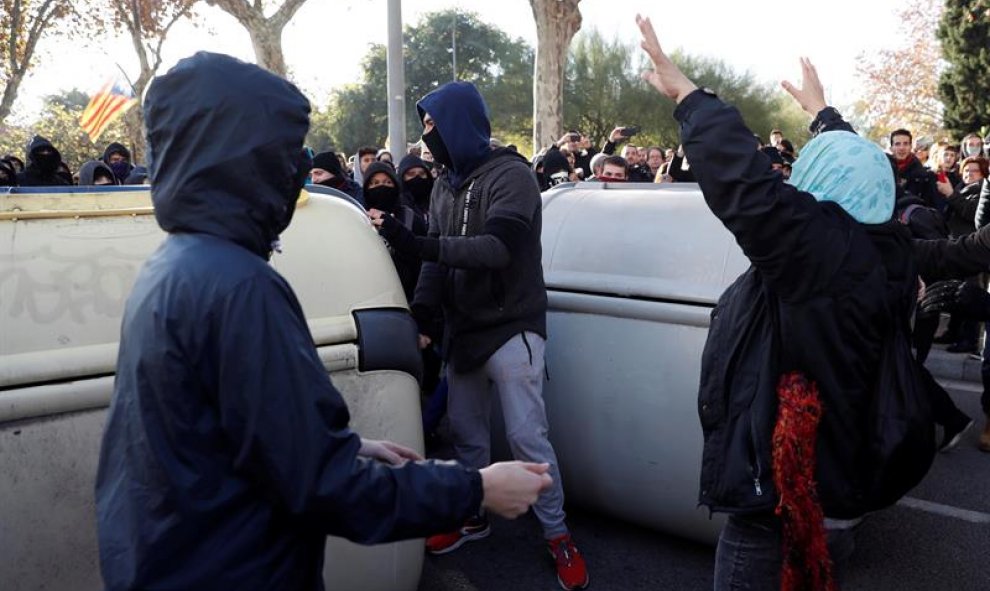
x: 111, y: 101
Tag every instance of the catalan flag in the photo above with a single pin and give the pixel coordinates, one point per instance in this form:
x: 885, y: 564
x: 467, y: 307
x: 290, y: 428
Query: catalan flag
x: 111, y: 101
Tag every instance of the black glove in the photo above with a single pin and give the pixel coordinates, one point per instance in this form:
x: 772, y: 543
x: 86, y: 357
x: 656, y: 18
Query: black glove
x: 957, y: 297
x: 405, y: 242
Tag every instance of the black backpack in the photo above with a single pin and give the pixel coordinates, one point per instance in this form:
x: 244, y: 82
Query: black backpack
x: 902, y: 442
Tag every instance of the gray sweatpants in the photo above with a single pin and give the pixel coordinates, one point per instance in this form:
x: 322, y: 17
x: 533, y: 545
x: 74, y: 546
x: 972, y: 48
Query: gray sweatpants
x: 516, y: 372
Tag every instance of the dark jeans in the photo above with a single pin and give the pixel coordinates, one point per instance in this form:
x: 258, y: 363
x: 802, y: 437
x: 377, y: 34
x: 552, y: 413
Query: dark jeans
x: 748, y: 557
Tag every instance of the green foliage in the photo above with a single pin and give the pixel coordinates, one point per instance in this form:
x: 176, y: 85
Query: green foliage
x: 59, y: 122
x: 603, y: 90
x: 965, y: 84
x: 499, y: 66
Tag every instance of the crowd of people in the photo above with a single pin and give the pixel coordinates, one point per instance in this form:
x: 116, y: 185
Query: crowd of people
x: 846, y: 244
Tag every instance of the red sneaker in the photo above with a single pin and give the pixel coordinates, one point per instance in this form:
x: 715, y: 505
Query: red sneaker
x: 572, y: 573
x: 475, y: 528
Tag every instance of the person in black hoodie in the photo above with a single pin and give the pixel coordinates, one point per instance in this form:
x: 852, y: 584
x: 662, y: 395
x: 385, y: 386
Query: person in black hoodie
x: 43, y: 165
x: 118, y: 158
x: 227, y: 458
x: 417, y: 184
x: 96, y: 172
x: 383, y: 194
x: 328, y: 172
x: 482, y: 264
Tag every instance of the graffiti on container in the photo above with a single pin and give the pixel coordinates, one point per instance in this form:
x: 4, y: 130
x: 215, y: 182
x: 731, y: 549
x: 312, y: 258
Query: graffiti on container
x: 46, y: 286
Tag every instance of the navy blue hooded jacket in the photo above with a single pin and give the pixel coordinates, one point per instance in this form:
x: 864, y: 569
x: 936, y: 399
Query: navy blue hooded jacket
x: 227, y: 457
x: 461, y: 117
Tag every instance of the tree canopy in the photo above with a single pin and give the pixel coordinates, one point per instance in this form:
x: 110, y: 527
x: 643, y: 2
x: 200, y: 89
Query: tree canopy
x: 965, y: 84
x: 602, y: 88
x: 501, y: 68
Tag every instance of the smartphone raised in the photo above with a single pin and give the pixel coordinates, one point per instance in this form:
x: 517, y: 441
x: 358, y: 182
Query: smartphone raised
x: 629, y: 131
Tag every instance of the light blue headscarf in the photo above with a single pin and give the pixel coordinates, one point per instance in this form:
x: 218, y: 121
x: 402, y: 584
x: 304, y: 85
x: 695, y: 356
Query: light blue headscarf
x: 847, y: 169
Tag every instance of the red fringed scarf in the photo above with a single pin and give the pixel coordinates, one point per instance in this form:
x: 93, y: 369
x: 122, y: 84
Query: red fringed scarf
x: 806, y: 564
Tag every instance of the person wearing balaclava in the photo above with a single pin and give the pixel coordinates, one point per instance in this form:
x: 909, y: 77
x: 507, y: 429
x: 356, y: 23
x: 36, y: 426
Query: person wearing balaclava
x: 383, y: 192
x: 482, y: 267
x: 227, y: 456
x: 42, y: 169
x: 793, y: 354
x: 328, y: 173
x: 417, y: 185
x: 118, y: 158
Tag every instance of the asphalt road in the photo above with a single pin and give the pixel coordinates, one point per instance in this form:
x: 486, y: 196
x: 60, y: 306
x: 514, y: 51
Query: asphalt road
x: 937, y: 539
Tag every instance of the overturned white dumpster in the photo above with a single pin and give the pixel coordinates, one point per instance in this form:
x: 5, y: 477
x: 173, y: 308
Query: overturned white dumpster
x: 633, y: 272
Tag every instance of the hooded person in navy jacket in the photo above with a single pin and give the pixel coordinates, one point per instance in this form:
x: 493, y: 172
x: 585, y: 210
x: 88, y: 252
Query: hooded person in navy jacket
x: 227, y: 457
x: 482, y: 265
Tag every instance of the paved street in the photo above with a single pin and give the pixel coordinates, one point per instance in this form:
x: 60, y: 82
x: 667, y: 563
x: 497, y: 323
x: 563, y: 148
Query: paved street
x: 938, y: 539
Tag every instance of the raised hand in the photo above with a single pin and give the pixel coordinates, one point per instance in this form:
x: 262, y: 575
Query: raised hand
x: 811, y: 95
x: 666, y: 77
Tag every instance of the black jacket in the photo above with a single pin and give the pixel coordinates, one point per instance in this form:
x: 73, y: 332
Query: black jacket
x: 918, y: 180
x: 962, y: 208
x: 923, y: 221
x: 677, y: 173
x: 486, y: 215
x: 407, y: 264
x: 983, y: 207
x: 227, y: 457
x: 816, y: 300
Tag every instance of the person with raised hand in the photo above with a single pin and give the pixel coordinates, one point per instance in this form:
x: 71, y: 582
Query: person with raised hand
x: 806, y: 322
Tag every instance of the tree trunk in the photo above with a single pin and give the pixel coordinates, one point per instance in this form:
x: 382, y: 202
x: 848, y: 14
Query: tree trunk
x: 265, y: 32
x: 266, y: 38
x: 10, y: 94
x: 557, y: 21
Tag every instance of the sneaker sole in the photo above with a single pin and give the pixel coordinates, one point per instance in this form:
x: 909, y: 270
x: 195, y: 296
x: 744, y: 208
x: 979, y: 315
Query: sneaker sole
x: 464, y: 540
x: 955, y: 440
x: 584, y: 585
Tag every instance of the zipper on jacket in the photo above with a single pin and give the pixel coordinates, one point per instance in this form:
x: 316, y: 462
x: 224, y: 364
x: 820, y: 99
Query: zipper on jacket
x: 468, y: 197
x: 757, y: 468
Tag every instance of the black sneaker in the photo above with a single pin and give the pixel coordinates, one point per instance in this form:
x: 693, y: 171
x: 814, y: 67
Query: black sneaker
x: 951, y: 436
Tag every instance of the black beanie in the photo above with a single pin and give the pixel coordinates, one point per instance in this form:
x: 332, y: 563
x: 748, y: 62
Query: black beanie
x: 328, y: 161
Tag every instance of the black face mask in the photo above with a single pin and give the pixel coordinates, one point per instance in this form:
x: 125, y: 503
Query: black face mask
x: 420, y: 188
x: 47, y: 163
x: 435, y: 143
x: 382, y: 198
x: 304, y: 163
x: 332, y: 182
